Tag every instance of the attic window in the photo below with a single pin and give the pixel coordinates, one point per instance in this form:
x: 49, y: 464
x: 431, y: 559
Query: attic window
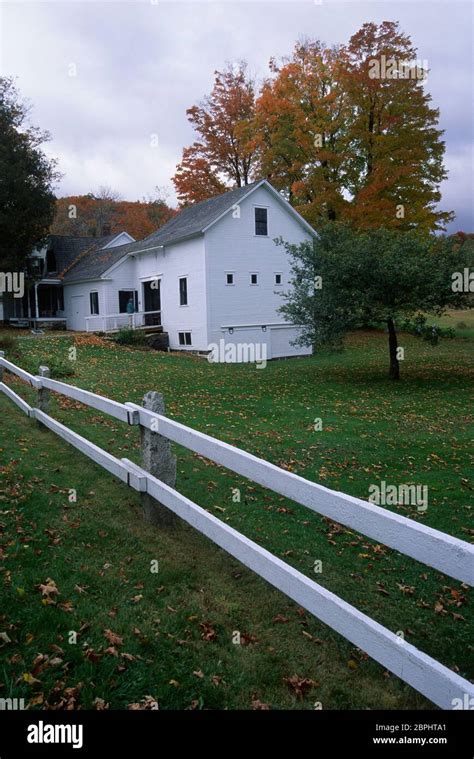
x: 261, y: 222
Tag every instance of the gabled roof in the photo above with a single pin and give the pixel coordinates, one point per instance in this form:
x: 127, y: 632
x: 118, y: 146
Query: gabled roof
x: 94, y: 260
x: 66, y: 249
x: 196, y: 219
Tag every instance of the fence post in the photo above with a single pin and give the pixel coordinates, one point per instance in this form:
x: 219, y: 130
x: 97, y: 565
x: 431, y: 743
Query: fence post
x: 2, y: 355
x: 44, y: 395
x: 156, y: 458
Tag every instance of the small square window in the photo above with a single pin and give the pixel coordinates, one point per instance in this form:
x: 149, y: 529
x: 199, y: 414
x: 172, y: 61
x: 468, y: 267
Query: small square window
x: 278, y: 279
x: 229, y: 279
x: 184, y: 338
x: 261, y: 222
x: 254, y: 279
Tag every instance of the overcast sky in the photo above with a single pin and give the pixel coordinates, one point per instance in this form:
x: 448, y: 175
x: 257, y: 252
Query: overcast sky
x: 140, y: 64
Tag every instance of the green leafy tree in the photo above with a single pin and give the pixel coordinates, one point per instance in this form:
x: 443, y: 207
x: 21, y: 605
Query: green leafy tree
x: 345, y: 278
x: 27, y: 177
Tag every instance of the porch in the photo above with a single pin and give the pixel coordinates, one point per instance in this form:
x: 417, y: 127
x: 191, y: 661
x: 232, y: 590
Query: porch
x: 144, y: 320
x: 42, y: 305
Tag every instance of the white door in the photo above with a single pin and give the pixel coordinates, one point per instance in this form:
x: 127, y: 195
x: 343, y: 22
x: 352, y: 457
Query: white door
x: 76, y: 317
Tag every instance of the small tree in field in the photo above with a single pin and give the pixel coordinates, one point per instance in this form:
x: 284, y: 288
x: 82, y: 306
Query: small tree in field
x: 345, y: 278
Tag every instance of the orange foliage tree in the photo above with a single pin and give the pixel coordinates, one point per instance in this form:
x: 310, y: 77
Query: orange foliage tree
x: 396, y: 148
x: 222, y: 155
x: 346, y: 133
x: 104, y: 214
x: 299, y: 130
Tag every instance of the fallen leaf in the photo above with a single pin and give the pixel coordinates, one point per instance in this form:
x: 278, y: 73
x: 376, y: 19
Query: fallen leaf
x: 114, y: 639
x: 301, y: 685
x: 99, y: 704
x: 48, y: 588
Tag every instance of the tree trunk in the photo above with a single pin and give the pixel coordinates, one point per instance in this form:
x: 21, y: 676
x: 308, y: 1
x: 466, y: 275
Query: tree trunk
x: 394, y: 371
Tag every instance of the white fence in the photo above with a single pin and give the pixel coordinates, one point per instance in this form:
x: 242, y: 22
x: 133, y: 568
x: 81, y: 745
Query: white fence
x: 436, y: 549
x: 114, y: 322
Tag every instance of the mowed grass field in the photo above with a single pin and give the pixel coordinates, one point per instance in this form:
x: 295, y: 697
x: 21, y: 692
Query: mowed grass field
x: 169, y: 635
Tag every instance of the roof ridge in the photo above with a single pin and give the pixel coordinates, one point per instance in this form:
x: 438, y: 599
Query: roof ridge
x: 76, y: 260
x: 196, y: 209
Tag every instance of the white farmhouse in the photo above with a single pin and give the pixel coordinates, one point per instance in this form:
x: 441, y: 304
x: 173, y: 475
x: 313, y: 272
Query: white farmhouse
x: 213, y: 272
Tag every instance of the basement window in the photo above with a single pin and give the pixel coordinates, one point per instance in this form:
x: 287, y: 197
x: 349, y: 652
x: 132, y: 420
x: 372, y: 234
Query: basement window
x: 184, y: 338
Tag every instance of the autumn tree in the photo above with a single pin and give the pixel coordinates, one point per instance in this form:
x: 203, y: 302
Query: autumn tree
x: 104, y: 210
x: 395, y: 165
x: 349, y: 133
x: 300, y: 130
x: 383, y: 276
x: 195, y: 180
x: 27, y: 178
x: 103, y: 213
x: 221, y: 155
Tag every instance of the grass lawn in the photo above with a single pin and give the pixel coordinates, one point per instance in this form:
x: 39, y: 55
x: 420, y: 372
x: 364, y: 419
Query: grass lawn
x: 169, y: 635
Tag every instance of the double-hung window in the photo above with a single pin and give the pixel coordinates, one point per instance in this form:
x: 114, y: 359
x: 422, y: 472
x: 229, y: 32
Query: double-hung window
x: 183, y: 291
x: 261, y: 222
x: 94, y: 302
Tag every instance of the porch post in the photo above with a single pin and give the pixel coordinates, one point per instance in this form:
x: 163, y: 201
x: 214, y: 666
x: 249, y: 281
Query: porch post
x: 36, y: 301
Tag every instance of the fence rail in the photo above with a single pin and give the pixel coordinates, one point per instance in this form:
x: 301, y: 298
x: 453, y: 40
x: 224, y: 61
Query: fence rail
x: 437, y: 549
x: 452, y: 556
x: 114, y: 322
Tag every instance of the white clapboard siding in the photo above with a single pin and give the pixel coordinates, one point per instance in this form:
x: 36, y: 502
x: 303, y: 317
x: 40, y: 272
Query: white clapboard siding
x: 113, y: 408
x: 435, y: 681
x: 450, y: 555
x: 101, y: 457
x: 15, y: 398
x: 19, y: 372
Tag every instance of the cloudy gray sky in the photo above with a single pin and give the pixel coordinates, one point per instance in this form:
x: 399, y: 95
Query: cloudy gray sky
x: 140, y: 64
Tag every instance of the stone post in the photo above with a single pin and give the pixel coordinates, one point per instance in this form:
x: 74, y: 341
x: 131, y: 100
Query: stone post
x: 44, y: 395
x: 159, y: 461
